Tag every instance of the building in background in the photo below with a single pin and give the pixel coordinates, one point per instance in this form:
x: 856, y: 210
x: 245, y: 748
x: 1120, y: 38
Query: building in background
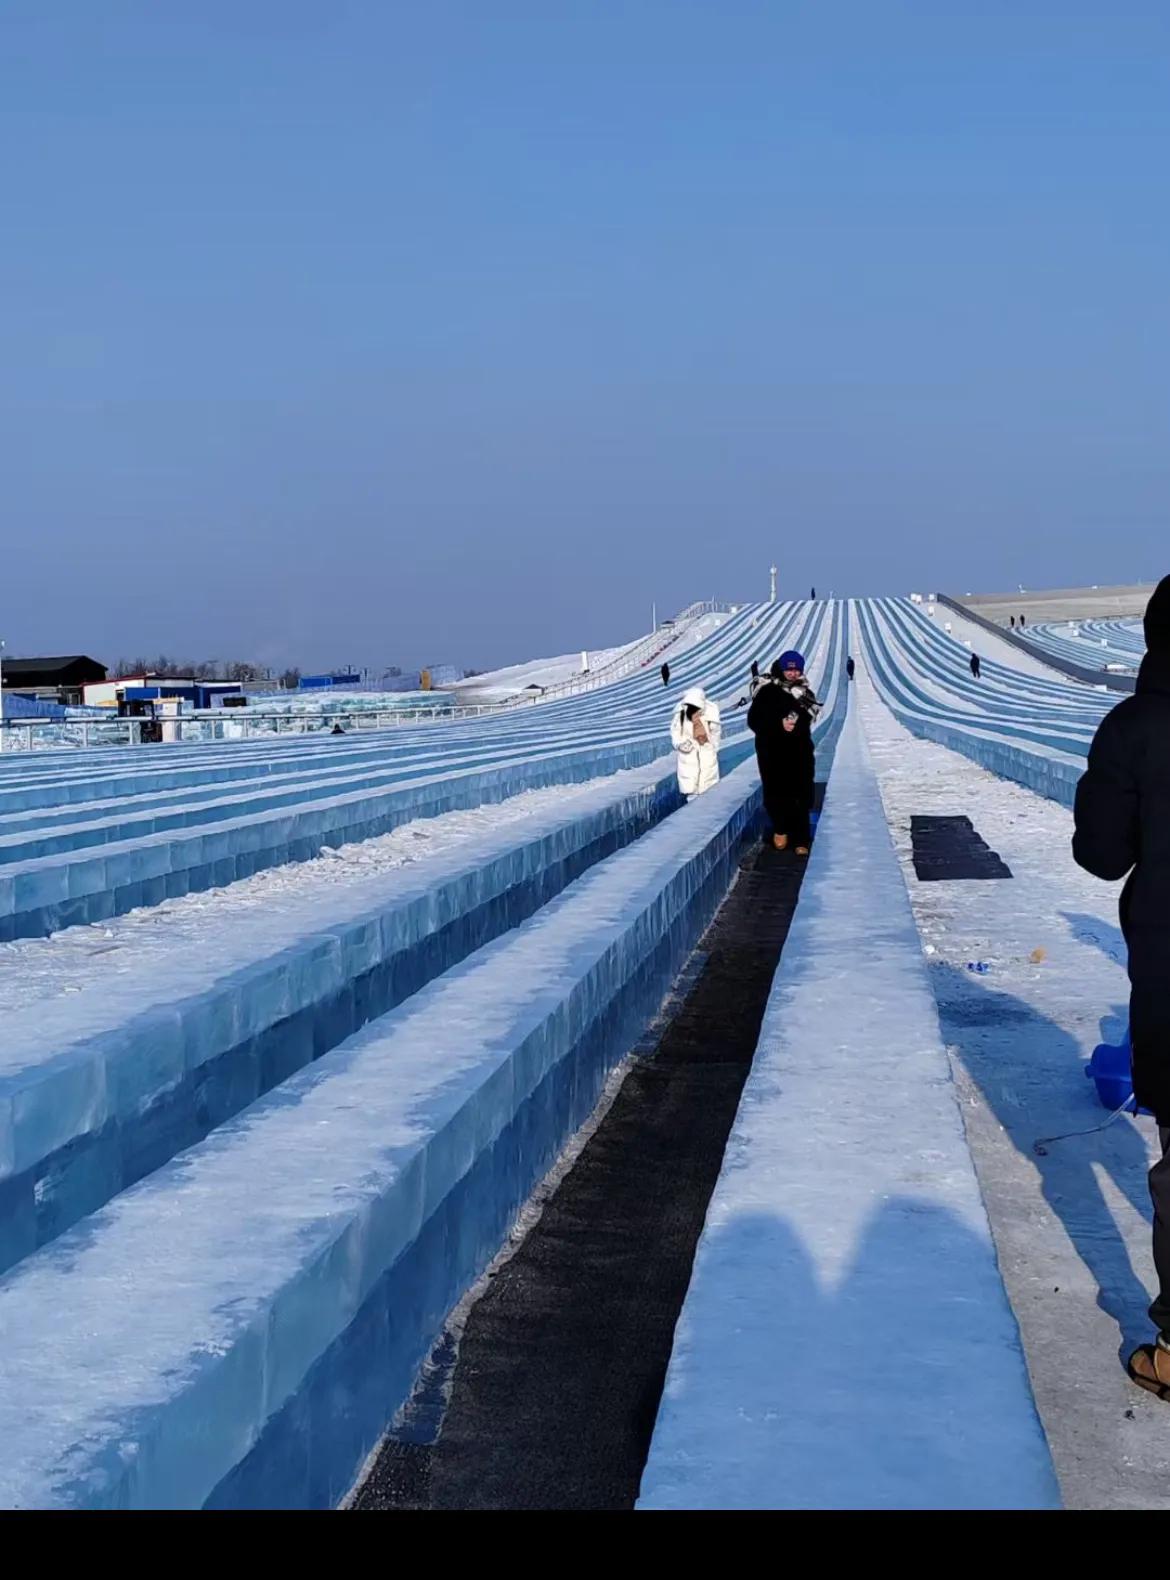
x: 348, y: 680
x: 155, y: 688
x: 62, y: 679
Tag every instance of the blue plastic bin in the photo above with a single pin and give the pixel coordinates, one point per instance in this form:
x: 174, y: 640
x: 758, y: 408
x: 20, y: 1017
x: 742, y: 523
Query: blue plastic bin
x: 1111, y: 1071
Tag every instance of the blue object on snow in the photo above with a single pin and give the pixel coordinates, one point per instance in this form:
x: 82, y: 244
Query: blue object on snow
x: 980, y: 967
x: 1111, y: 1071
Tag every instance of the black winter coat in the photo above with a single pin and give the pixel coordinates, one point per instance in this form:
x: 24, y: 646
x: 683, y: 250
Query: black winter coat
x: 782, y: 754
x: 1123, y: 826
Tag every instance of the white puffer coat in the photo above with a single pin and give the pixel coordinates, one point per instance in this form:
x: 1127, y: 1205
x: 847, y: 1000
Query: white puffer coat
x: 698, y: 765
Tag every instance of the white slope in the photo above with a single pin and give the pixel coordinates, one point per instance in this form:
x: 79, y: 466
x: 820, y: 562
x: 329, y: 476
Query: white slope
x: 499, y: 684
x: 1070, y: 1227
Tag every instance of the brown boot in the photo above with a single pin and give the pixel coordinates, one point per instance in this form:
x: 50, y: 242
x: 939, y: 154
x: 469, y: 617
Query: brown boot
x: 1149, y: 1367
x: 780, y: 841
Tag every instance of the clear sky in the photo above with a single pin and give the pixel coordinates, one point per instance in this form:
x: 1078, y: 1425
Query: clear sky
x: 462, y: 330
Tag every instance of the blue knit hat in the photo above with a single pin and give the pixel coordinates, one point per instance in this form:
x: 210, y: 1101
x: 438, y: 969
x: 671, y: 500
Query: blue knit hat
x: 792, y: 660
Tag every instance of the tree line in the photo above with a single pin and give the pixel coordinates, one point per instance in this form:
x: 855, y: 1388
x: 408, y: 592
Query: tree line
x: 207, y: 669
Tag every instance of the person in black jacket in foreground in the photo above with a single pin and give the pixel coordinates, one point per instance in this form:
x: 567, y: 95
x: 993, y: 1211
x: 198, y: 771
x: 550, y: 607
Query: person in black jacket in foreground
x: 781, y: 718
x: 1122, y: 821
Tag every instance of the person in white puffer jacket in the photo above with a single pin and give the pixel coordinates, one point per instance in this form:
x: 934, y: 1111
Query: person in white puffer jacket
x: 695, y: 732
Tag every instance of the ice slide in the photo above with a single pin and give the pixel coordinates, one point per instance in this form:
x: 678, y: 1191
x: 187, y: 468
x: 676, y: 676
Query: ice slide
x: 241, y: 1321
x: 846, y: 1340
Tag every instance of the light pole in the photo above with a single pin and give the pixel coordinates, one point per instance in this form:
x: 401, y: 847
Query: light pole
x: 2, y: 696
x: 773, y: 597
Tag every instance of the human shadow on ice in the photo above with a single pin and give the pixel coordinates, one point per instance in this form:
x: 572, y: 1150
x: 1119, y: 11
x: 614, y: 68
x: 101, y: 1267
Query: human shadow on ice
x: 933, y: 1410
x: 1103, y: 935
x: 1032, y: 1073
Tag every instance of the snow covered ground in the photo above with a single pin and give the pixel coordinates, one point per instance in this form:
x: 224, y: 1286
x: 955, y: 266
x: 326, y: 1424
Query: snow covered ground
x: 499, y: 684
x: 1071, y: 1227
x: 82, y: 959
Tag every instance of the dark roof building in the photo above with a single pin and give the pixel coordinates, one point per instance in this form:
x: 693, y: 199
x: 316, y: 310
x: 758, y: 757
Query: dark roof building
x: 59, y: 679
x: 29, y: 674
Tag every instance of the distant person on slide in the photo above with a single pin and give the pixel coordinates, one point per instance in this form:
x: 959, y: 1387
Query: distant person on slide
x: 665, y: 673
x: 1123, y: 827
x: 780, y: 718
x: 976, y: 666
x: 695, y: 733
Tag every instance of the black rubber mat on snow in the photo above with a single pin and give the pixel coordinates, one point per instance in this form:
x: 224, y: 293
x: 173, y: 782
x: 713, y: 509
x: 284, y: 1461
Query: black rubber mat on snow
x: 949, y: 848
x: 554, y: 1390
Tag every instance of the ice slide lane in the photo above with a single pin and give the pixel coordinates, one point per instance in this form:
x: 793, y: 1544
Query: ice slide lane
x: 603, y: 975
x: 1002, y: 690
x: 846, y: 1341
x: 29, y: 782
x: 240, y: 1324
x: 97, y: 1091
x: 1041, y: 745
x: 72, y: 886
x: 1098, y: 643
x: 576, y: 1323
x: 236, y: 1329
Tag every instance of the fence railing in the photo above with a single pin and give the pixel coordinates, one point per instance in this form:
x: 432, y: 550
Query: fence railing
x: 219, y: 724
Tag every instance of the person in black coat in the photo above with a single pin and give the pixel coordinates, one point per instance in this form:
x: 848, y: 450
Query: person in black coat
x: 1122, y: 827
x: 786, y: 755
x: 976, y: 666
x: 850, y: 668
x: 665, y: 673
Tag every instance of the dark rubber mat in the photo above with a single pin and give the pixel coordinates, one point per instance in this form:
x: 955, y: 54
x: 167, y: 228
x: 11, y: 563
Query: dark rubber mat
x: 947, y: 848
x: 555, y: 1387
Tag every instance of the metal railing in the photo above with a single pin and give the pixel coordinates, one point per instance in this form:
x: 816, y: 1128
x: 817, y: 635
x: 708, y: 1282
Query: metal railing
x: 25, y: 734
x: 221, y: 724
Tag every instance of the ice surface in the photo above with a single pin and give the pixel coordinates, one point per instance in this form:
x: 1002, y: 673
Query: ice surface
x: 1091, y: 643
x: 846, y: 1340
x: 234, y: 992
x: 157, y: 939
x: 115, y: 832
x: 279, y: 1282
x: 1032, y: 730
x: 197, y: 1317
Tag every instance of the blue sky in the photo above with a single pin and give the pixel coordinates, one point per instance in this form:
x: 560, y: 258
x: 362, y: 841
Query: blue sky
x: 464, y: 329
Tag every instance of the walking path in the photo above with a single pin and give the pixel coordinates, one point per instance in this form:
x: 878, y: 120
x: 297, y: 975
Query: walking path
x: 1070, y: 1227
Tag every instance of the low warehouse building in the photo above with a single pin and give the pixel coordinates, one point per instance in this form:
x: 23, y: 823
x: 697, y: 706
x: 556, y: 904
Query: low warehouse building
x: 60, y: 679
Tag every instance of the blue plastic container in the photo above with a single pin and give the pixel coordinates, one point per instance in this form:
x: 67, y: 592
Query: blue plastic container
x: 1111, y: 1071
